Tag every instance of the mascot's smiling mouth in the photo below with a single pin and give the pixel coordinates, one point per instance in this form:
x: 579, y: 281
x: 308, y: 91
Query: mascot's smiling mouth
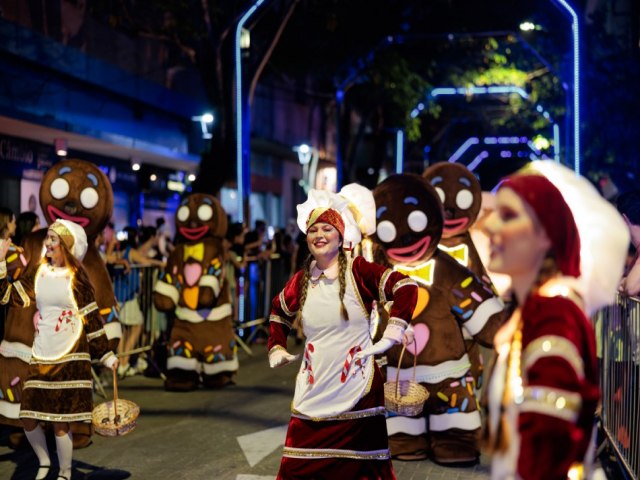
x: 193, y: 233
x: 455, y: 224
x: 411, y: 253
x: 55, y: 213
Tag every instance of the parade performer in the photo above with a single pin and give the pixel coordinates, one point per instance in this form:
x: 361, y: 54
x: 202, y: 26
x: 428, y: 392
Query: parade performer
x: 202, y: 345
x: 461, y: 196
x: 450, y: 298
x: 563, y: 246
x: 337, y: 427
x: 68, y: 334
x: 78, y: 191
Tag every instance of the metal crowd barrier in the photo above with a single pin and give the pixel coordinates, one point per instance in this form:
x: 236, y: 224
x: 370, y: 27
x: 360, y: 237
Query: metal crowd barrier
x: 618, y: 335
x: 259, y: 281
x: 254, y: 289
x: 134, y: 292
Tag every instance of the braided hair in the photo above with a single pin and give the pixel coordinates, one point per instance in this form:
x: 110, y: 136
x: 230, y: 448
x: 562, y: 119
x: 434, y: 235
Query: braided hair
x: 342, y: 274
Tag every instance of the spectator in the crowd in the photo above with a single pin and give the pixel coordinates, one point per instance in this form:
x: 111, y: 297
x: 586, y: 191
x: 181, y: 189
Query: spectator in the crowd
x: 299, y: 254
x: 280, y: 260
x: 257, y: 243
x: 27, y: 222
x: 7, y: 223
x: 629, y: 206
x: 109, y: 254
x: 164, y: 244
x: 7, y: 229
x: 235, y: 259
x: 127, y: 289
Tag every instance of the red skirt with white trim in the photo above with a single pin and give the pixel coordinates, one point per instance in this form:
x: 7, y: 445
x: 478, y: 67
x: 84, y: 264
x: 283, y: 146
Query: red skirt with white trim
x: 355, y: 447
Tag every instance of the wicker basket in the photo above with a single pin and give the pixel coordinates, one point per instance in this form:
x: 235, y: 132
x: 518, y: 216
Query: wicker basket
x: 405, y: 397
x: 115, y: 418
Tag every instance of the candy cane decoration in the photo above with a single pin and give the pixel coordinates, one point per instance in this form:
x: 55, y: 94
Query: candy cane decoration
x: 348, y: 361
x: 64, y: 315
x: 307, y: 361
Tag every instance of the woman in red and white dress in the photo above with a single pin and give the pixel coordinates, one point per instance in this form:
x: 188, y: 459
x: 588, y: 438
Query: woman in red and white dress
x: 543, y: 390
x: 337, y: 427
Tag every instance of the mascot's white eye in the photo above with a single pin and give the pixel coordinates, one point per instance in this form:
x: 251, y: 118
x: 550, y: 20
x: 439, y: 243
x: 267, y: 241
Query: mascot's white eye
x: 386, y: 231
x: 183, y: 213
x: 441, y: 194
x: 59, y: 188
x: 89, y: 197
x: 205, y: 212
x: 417, y: 221
x: 464, y: 199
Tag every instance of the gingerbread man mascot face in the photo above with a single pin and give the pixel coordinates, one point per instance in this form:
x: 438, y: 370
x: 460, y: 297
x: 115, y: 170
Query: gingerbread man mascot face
x: 460, y: 193
x: 78, y: 191
x: 409, y: 219
x: 200, y: 216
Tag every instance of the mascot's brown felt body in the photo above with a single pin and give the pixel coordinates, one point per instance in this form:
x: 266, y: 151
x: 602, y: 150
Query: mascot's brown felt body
x: 73, y: 190
x: 202, y: 344
x: 450, y: 298
x: 461, y: 196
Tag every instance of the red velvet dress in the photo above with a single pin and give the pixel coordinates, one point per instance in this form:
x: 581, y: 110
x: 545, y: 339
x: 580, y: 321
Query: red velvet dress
x: 337, y: 427
x: 551, y: 418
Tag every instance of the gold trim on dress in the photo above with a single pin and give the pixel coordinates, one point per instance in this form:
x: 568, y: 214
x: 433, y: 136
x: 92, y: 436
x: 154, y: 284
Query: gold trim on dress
x: 283, y: 305
x: 352, y: 415
x: 279, y: 319
x: 56, y: 417
x: 335, y: 453
x: 398, y: 322
x: 553, y: 346
x: 354, y: 286
x: 403, y: 283
x: 70, y: 357
x: 382, y: 284
x: 552, y: 401
x: 54, y: 385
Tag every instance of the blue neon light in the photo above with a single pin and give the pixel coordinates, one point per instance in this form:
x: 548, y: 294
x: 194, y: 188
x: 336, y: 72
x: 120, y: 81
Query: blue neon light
x: 478, y: 160
x: 480, y: 90
x: 492, y: 141
x: 463, y: 148
x: 239, y: 93
x: 575, y: 29
x: 399, y: 150
x: 496, y: 89
x: 556, y: 143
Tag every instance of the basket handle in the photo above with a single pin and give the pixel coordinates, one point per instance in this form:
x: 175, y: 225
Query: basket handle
x: 115, y: 395
x: 415, y: 360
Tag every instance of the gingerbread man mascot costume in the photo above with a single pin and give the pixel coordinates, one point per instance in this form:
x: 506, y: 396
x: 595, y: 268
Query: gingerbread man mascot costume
x: 461, y: 196
x: 78, y: 191
x: 450, y: 298
x: 202, y: 345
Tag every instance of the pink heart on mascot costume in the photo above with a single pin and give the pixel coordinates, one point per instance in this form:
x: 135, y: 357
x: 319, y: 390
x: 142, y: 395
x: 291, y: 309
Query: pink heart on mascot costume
x: 421, y: 335
x: 192, y: 272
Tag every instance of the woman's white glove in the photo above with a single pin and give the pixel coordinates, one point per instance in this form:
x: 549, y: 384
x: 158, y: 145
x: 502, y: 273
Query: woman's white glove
x: 109, y: 360
x: 380, y: 346
x: 279, y: 357
x: 408, y: 336
x: 393, y: 334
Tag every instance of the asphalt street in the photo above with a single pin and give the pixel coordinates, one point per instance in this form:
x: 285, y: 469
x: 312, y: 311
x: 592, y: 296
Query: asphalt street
x: 232, y: 434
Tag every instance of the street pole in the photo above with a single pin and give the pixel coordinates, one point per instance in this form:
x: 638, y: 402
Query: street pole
x: 243, y: 124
